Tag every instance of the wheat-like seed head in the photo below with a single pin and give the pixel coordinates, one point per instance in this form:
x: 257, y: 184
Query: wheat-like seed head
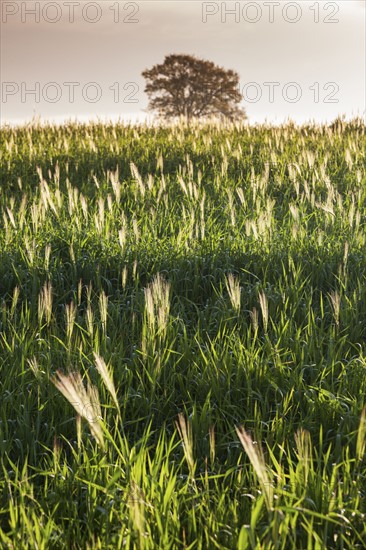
x: 304, y: 451
x: 157, y: 303
x: 256, y: 457
x: 106, y: 377
x: 234, y: 291
x: 335, y: 300
x: 70, y: 314
x: 45, y: 303
x: 185, y: 432
x: 85, y: 401
x: 263, y: 302
x: 103, y: 309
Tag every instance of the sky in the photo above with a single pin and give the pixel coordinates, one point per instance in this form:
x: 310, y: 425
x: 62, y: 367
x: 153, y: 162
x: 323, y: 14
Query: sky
x: 303, y: 60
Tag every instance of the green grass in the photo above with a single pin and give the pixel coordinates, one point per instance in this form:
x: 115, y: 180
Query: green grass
x: 183, y: 337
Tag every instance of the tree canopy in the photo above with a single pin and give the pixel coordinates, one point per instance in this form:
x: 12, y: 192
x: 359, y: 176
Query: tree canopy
x: 187, y: 86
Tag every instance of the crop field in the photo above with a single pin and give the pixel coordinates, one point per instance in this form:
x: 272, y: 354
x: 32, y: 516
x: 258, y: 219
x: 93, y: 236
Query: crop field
x: 183, y: 336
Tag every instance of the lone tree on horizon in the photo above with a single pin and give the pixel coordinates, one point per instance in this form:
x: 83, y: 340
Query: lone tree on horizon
x: 185, y: 85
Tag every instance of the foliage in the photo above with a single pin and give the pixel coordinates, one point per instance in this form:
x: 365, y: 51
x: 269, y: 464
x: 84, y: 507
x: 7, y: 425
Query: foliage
x: 185, y: 86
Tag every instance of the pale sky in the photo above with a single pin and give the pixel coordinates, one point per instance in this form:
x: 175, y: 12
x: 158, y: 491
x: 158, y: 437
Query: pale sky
x: 303, y: 60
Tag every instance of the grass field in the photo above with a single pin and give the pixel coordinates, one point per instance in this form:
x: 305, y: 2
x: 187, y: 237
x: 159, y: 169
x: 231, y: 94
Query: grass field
x: 183, y: 337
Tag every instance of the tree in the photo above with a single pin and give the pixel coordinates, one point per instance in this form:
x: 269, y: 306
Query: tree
x: 187, y: 86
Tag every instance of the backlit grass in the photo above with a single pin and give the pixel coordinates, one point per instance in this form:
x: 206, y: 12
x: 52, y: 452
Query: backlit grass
x: 183, y: 336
